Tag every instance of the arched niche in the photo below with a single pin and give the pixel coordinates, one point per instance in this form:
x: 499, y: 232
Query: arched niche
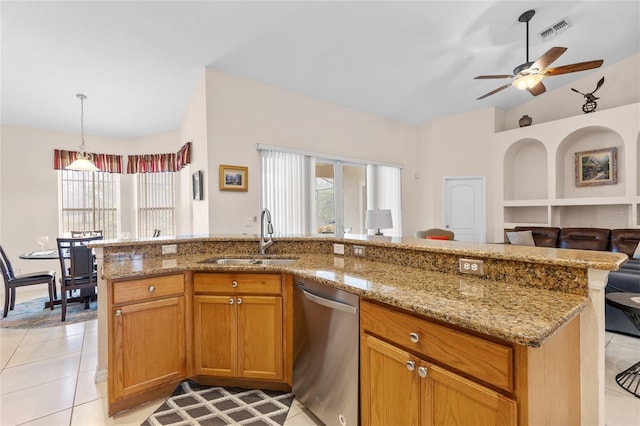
x: 525, y: 171
x: 587, y: 139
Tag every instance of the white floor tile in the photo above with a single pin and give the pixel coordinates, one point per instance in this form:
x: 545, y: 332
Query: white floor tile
x: 624, y: 340
x: 9, y: 341
x: 95, y: 413
x: 90, y: 340
x: 35, y: 373
x: 621, y: 409
x: 36, y: 335
x: 295, y: 409
x: 91, y: 325
x: 89, y: 360
x: 61, y: 418
x: 37, y: 401
x: 88, y: 390
x: 47, y: 349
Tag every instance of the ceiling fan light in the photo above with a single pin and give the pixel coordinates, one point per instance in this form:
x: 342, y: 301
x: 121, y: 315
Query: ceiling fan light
x: 527, y: 81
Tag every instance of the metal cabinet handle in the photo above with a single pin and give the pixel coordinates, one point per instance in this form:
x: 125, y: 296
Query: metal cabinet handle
x: 239, y: 300
x: 231, y: 301
x: 414, y: 337
x: 151, y: 289
x: 234, y: 284
x: 118, y: 312
x: 410, y: 365
x: 422, y: 372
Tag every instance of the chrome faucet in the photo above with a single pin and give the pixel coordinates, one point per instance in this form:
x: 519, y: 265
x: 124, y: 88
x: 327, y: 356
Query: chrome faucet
x: 265, y: 244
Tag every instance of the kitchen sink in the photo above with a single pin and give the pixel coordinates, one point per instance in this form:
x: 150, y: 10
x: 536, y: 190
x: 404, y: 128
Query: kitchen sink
x: 250, y: 261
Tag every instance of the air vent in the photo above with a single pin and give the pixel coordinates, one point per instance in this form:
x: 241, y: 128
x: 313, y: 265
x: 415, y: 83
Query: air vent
x: 554, y: 29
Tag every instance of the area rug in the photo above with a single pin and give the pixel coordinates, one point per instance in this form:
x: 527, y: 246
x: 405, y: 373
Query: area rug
x: 193, y: 404
x: 33, y: 314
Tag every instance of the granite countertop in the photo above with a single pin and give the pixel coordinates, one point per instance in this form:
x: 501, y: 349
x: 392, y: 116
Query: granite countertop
x: 516, y: 313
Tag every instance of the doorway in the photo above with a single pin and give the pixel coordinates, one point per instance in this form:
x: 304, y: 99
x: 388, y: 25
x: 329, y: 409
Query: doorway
x: 464, y: 207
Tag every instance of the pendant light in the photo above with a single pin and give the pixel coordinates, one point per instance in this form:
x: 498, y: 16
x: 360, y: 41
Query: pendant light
x: 84, y: 159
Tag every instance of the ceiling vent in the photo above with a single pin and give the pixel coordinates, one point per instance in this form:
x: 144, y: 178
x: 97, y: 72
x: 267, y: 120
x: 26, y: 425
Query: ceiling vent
x: 554, y: 29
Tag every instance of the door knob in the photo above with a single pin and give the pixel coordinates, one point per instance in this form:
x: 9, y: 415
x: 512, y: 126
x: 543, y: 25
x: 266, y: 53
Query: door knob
x: 118, y: 312
x: 410, y: 365
x: 234, y: 284
x: 414, y: 337
x: 151, y: 289
x: 231, y: 301
x: 239, y: 300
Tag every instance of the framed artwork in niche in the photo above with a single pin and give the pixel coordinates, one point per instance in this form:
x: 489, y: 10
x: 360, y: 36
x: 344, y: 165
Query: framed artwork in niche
x: 597, y: 167
x: 196, y: 180
x: 234, y: 178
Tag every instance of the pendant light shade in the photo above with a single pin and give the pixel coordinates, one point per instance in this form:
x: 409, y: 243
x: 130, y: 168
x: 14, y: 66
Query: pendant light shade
x: 84, y: 160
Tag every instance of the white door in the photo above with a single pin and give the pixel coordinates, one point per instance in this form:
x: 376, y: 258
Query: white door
x: 464, y: 207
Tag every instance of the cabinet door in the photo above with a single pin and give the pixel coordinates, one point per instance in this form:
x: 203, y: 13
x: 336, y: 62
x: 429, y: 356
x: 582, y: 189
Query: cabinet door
x: 149, y: 345
x: 215, y: 335
x: 390, y: 391
x: 449, y: 399
x: 260, y: 334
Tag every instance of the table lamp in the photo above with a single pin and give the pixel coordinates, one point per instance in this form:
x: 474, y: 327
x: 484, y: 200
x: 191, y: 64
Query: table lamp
x: 378, y: 219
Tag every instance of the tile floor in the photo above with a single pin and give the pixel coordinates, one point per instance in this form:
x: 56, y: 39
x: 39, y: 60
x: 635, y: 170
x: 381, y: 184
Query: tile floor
x: 47, y: 378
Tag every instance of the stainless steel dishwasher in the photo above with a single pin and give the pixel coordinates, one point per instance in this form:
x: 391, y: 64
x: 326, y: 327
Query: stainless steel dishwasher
x: 326, y: 346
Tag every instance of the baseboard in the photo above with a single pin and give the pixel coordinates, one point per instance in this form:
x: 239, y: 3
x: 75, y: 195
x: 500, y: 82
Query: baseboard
x: 102, y: 375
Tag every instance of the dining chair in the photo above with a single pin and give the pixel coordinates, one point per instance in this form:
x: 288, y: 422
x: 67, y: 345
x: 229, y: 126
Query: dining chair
x: 80, y: 273
x: 13, y: 281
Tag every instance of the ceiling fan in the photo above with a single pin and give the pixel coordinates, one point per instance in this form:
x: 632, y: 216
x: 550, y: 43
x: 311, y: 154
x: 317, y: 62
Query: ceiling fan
x: 530, y: 74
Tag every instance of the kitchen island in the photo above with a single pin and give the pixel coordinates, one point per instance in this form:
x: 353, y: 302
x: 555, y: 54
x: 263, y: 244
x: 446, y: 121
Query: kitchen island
x: 526, y: 299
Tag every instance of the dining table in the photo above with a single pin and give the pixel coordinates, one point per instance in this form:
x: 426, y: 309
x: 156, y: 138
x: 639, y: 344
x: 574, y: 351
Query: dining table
x: 53, y: 254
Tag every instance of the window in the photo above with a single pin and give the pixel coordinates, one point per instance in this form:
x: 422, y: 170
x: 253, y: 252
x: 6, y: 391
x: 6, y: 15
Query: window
x: 314, y: 193
x: 155, y: 196
x: 89, y: 201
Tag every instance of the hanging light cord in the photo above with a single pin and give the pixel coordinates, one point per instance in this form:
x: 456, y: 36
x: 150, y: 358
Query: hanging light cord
x: 83, y: 149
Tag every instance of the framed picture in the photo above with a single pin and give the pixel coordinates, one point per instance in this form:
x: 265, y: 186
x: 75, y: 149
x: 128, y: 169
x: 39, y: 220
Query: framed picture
x: 196, y: 180
x: 597, y: 167
x: 234, y: 178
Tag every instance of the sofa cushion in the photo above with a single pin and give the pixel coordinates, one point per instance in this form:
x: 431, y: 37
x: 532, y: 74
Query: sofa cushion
x: 543, y: 236
x: 585, y: 238
x: 625, y: 241
x: 521, y: 238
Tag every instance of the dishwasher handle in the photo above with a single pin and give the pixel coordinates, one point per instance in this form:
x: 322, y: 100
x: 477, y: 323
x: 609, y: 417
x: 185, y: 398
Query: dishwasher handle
x: 328, y: 302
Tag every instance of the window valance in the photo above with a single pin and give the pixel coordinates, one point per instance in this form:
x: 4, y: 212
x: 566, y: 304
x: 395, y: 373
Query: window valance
x: 108, y: 163
x: 155, y: 163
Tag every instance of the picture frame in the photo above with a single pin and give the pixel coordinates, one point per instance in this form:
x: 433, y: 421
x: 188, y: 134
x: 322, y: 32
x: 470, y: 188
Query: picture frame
x: 234, y: 178
x: 597, y: 167
x: 197, y: 184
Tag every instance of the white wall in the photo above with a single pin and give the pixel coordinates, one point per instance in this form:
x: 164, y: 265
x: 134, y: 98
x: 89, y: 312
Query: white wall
x: 242, y: 113
x: 195, y: 214
x: 621, y: 87
x: 29, y: 194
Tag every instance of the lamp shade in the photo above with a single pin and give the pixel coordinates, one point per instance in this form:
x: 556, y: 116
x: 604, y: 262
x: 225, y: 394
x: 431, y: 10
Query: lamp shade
x: 82, y: 165
x: 378, y: 219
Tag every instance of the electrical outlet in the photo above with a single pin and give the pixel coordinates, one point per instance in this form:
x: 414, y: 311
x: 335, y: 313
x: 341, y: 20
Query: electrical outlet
x: 471, y: 266
x: 338, y: 249
x: 169, y: 249
x: 358, y: 250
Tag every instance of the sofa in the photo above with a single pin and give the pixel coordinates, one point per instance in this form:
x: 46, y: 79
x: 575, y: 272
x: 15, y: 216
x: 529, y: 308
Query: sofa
x: 626, y: 241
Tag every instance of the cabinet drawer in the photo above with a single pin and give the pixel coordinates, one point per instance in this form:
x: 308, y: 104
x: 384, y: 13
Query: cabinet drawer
x: 485, y: 360
x: 236, y: 283
x: 147, y: 288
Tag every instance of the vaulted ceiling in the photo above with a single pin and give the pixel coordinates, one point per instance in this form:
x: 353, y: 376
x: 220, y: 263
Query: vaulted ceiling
x: 138, y: 61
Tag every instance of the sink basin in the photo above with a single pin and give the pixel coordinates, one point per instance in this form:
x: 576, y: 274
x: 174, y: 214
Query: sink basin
x: 230, y: 261
x: 249, y: 261
x: 287, y: 261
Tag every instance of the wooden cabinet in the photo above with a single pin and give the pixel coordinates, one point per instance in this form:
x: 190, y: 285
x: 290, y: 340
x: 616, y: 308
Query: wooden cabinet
x: 410, y: 383
x: 147, y: 349
x: 239, y: 330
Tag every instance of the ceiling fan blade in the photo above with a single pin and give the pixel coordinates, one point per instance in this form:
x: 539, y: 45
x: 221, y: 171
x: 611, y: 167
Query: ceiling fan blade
x: 484, y: 77
x: 580, y: 66
x: 550, y: 55
x: 493, y: 91
x: 538, y: 89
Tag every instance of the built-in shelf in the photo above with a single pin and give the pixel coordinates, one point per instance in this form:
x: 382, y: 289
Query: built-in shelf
x: 538, y: 172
